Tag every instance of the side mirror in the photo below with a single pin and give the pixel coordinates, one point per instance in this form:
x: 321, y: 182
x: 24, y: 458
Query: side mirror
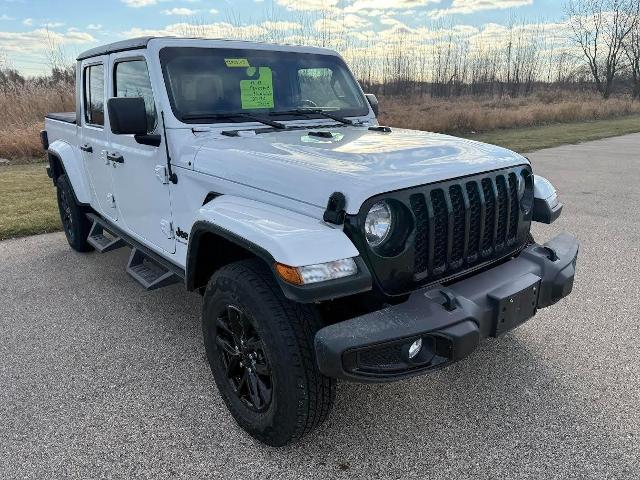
x: 128, y: 116
x: 373, y: 101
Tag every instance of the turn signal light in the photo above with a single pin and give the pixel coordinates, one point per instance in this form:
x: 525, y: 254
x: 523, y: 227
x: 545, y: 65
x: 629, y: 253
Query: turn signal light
x: 289, y: 274
x: 319, y: 272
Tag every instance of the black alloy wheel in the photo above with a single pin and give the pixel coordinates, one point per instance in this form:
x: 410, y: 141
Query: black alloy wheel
x: 65, y: 213
x: 244, y: 357
x: 74, y: 221
x: 260, y: 347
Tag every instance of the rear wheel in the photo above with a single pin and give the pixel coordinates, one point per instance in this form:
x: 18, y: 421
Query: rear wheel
x: 74, y: 222
x: 260, y: 349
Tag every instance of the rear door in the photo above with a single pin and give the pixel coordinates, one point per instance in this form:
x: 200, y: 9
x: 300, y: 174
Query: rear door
x: 94, y: 139
x: 140, y: 184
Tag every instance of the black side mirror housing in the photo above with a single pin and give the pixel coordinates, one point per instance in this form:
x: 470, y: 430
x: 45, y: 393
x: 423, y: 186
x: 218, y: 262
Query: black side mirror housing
x: 373, y: 101
x: 127, y: 115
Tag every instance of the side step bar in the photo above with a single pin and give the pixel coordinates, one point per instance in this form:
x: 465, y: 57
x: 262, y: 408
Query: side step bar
x: 145, y: 266
x: 148, y: 273
x: 102, y: 243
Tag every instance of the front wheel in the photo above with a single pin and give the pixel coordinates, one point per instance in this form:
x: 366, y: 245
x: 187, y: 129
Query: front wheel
x: 260, y: 349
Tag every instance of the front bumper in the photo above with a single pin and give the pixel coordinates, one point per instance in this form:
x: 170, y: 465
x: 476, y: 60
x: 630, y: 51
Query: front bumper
x: 450, y: 321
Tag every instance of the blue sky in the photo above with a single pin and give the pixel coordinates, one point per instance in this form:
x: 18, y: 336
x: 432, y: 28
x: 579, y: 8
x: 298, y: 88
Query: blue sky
x: 27, y: 26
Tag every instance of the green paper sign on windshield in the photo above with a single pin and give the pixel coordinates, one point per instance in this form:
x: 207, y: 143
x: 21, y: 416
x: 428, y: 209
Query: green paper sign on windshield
x: 257, y: 93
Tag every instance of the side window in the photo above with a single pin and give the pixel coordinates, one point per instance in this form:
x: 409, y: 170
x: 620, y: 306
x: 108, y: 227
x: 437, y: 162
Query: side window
x: 94, y: 95
x: 131, y: 79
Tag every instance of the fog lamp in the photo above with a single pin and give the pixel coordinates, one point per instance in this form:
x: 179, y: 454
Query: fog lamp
x: 414, y: 348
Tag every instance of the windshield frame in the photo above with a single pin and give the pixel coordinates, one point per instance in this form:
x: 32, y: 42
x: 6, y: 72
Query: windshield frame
x: 364, y: 111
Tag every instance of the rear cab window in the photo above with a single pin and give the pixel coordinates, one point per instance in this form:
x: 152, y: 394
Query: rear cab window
x: 93, y: 79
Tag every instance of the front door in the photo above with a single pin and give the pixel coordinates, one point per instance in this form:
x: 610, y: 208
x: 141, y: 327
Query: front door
x: 140, y: 185
x: 94, y: 141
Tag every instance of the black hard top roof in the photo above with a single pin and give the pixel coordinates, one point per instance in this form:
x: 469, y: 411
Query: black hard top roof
x: 142, y: 42
x: 121, y: 46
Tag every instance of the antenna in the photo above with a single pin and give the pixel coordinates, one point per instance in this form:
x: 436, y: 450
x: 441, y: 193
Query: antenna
x: 173, y: 178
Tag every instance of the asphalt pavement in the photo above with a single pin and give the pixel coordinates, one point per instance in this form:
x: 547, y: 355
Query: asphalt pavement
x: 100, y: 379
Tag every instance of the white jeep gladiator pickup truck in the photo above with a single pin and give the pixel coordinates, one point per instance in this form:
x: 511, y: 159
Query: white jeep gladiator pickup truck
x: 326, y: 246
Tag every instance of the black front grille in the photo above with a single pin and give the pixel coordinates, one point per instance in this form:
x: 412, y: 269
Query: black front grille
x: 446, y: 229
x: 472, y: 220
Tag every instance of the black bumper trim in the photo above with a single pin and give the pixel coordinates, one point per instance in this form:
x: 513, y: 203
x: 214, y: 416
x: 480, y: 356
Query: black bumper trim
x: 452, y: 320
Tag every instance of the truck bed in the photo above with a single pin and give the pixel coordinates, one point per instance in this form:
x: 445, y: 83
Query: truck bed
x: 67, y: 117
x: 62, y: 127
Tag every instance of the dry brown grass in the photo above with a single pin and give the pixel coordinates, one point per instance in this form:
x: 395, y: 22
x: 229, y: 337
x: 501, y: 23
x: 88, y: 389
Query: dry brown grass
x: 470, y: 114
x: 22, y: 113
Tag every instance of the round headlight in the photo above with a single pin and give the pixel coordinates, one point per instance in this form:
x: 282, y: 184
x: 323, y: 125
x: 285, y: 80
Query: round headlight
x: 378, y: 223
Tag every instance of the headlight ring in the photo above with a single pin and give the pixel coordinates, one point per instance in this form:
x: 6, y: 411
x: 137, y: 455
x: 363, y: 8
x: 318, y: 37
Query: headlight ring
x: 379, y: 224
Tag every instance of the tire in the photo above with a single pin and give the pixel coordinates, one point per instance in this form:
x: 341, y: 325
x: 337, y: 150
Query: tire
x: 295, y: 396
x: 74, y: 222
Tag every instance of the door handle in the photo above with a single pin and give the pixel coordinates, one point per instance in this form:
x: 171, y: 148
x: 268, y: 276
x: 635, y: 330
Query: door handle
x: 86, y: 148
x: 115, y: 157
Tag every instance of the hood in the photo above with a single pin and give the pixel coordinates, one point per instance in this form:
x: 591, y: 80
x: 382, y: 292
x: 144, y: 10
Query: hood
x: 356, y: 161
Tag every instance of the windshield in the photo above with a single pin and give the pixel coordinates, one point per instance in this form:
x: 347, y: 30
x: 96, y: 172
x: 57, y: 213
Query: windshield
x: 203, y: 81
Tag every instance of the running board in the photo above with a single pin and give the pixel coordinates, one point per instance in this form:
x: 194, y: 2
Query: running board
x: 151, y: 270
x: 149, y: 274
x: 103, y: 244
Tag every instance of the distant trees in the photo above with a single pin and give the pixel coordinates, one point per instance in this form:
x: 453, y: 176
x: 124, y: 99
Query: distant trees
x: 511, y: 62
x: 602, y: 29
x: 632, y: 52
x: 597, y: 45
x: 10, y: 77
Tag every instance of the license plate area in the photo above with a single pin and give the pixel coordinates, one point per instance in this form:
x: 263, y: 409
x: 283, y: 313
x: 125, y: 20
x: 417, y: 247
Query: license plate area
x: 515, y: 303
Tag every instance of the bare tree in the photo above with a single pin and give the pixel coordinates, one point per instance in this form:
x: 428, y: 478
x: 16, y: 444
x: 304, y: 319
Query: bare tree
x: 601, y: 28
x: 632, y: 51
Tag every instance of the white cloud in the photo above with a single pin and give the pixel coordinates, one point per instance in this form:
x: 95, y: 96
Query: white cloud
x: 28, y: 22
x: 31, y: 42
x: 180, y: 11
x: 4, y: 16
x: 283, y: 26
x: 358, y: 5
x: 391, y: 21
x: 371, y: 13
x: 139, y: 3
x: 53, y: 25
x: 213, y: 30
x: 341, y: 24
x: 213, y: 11
x: 465, y: 7
x: 94, y: 26
x: 305, y: 5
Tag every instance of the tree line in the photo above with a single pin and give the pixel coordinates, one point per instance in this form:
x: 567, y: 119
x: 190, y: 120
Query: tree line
x: 598, y: 48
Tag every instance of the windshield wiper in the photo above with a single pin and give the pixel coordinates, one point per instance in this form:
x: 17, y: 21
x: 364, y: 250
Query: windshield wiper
x: 217, y: 116
x: 317, y: 111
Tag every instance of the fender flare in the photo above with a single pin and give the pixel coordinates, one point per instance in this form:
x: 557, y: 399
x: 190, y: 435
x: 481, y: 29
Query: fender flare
x: 274, y: 234
x: 73, y: 168
x: 546, y: 206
